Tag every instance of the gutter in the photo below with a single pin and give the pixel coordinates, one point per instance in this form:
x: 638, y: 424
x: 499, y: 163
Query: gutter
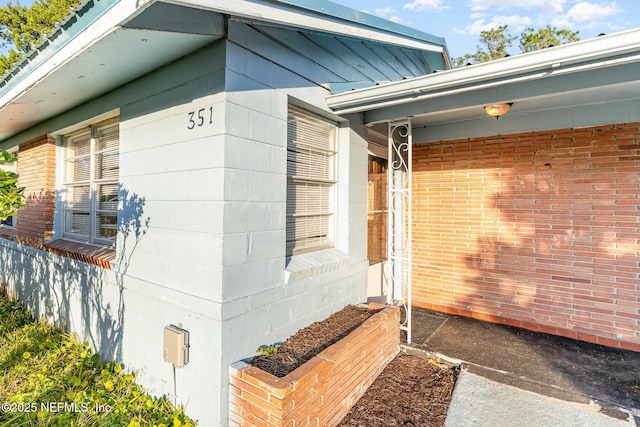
x: 604, y: 51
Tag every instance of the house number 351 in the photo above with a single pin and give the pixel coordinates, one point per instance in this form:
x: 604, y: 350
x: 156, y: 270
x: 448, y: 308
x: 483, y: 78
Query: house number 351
x: 200, y: 118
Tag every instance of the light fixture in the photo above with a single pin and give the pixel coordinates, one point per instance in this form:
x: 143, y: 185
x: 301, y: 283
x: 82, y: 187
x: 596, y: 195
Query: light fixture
x: 497, y: 110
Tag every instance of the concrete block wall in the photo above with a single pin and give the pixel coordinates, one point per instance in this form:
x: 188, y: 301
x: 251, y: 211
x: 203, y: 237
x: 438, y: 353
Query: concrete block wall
x: 537, y: 230
x: 63, y: 291
x: 172, y: 191
x: 203, y: 191
x: 167, y: 267
x: 267, y: 296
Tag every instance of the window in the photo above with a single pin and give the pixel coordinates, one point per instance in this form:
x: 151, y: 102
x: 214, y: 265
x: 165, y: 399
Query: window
x: 91, y: 184
x: 311, y: 179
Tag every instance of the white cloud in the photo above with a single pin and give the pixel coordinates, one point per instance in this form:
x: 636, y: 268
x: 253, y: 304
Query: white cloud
x: 581, y: 13
x: 548, y: 6
x: 386, y: 11
x: 516, y: 24
x: 588, y: 15
x: 477, y: 15
x: 420, y: 5
x: 585, y: 11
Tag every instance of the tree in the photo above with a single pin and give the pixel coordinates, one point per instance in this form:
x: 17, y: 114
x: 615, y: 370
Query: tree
x: 22, y: 28
x: 13, y: 31
x: 531, y: 39
x: 494, y: 43
x: 11, y: 196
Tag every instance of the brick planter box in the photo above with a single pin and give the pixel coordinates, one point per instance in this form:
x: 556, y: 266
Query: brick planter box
x: 321, y: 391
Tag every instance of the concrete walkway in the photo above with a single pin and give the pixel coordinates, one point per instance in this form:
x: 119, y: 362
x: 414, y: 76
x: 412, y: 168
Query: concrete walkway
x: 478, y: 401
x: 517, y: 378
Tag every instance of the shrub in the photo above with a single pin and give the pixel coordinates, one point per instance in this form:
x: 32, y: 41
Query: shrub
x: 49, y: 378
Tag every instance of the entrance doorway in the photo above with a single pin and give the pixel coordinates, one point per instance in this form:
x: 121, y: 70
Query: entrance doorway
x: 377, y: 231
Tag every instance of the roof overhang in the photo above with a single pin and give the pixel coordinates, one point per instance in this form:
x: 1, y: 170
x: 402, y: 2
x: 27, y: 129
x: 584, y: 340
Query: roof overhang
x: 107, y: 43
x: 87, y: 59
x: 324, y: 16
x: 600, y: 70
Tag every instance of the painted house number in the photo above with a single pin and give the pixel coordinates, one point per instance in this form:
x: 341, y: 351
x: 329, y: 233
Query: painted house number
x: 200, y: 118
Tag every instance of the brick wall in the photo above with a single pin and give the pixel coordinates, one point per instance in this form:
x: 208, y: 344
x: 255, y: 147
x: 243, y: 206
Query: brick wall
x: 539, y: 230
x: 320, y: 392
x: 36, y: 172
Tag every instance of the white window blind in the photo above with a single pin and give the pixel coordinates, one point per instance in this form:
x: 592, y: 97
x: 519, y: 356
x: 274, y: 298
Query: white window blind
x: 311, y: 178
x: 91, y: 184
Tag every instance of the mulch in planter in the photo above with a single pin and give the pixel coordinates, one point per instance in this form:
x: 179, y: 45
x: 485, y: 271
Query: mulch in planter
x: 410, y: 391
x: 310, y: 341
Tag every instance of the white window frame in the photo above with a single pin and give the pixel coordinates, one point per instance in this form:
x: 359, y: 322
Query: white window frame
x: 311, y: 170
x: 94, y: 209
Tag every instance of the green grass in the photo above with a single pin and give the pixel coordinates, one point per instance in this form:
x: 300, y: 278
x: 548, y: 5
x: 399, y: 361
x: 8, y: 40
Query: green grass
x: 49, y: 378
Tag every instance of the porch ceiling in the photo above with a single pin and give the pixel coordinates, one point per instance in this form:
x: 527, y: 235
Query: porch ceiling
x: 593, y: 72
x: 530, y: 101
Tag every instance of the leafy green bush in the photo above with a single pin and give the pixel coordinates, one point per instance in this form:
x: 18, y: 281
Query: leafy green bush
x: 49, y: 378
x: 11, y: 196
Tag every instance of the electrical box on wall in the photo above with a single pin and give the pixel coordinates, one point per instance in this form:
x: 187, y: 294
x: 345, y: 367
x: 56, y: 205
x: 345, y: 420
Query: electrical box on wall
x: 176, y: 346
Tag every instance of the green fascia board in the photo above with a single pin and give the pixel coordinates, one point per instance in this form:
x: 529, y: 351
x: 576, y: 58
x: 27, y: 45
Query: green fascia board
x: 85, y: 14
x: 348, y: 14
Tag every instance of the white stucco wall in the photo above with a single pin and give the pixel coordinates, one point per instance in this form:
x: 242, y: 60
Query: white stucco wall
x: 205, y: 246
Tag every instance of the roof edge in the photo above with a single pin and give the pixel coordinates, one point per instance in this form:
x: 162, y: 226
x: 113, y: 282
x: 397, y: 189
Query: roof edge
x: 77, y: 20
x: 335, y: 10
x: 572, y: 56
x: 325, y: 16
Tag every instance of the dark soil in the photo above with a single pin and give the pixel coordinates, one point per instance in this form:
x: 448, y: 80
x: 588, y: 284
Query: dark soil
x: 311, y: 340
x: 409, y: 392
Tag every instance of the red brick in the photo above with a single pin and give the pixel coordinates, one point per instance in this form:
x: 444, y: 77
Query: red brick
x: 490, y: 214
x: 322, y: 392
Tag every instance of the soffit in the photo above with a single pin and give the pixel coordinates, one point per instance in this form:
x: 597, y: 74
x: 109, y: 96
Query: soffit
x: 121, y: 52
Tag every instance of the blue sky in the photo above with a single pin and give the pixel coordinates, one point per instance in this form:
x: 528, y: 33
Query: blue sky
x: 460, y: 21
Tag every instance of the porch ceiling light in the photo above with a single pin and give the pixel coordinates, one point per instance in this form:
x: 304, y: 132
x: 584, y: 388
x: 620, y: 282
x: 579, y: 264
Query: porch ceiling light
x: 497, y: 110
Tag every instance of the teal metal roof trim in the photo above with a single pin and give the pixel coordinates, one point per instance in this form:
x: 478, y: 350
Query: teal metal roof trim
x: 339, y: 11
x: 76, y: 22
x: 85, y: 14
